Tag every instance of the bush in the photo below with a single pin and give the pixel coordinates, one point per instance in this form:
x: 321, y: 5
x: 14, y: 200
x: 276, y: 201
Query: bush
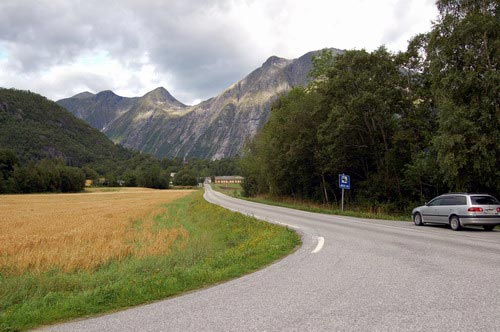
x: 46, y: 176
x: 72, y: 179
x: 185, y: 177
x: 152, y: 176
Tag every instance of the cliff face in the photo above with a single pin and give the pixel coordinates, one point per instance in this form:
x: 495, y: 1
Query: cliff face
x: 97, y: 109
x: 159, y: 124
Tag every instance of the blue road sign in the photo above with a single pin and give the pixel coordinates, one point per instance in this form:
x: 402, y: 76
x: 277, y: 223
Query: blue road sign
x: 344, y: 181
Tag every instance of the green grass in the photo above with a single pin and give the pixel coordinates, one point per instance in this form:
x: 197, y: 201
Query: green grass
x: 222, y: 245
x: 304, y: 205
x: 230, y: 189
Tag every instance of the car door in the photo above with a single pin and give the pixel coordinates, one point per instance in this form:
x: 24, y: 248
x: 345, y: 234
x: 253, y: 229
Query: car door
x: 430, y: 210
x: 444, y: 209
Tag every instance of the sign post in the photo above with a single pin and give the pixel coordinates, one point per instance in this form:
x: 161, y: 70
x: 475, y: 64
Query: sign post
x: 344, y: 183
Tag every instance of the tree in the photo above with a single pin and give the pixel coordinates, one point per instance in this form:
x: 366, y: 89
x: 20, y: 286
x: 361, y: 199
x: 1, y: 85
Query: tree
x: 350, y: 119
x: 364, y: 100
x: 185, y: 177
x: 72, y: 179
x: 463, y: 52
x: 50, y: 173
x: 418, y: 125
x: 152, y: 176
x: 281, y: 159
x: 8, y: 162
x: 28, y: 179
x: 130, y: 178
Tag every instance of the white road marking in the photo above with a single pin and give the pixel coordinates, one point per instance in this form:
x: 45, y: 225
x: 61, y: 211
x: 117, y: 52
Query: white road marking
x: 321, y: 242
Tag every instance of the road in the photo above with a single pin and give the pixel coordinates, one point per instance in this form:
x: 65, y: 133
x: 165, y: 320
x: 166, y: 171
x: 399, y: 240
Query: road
x: 349, y: 275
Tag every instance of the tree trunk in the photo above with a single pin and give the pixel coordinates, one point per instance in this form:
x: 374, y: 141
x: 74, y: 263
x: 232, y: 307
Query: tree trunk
x: 324, y: 188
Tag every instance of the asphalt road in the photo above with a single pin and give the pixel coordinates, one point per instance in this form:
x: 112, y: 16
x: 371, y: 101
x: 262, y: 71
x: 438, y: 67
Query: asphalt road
x: 350, y: 275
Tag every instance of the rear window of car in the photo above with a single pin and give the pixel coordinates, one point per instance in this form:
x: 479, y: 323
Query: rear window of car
x: 484, y: 200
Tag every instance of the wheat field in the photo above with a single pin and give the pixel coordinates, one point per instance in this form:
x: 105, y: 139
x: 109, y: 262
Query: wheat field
x: 70, y: 232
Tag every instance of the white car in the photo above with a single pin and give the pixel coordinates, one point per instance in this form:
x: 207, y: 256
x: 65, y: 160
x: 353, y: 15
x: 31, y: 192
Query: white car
x: 458, y: 210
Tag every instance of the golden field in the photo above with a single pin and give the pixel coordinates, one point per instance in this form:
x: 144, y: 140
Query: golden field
x: 83, y: 231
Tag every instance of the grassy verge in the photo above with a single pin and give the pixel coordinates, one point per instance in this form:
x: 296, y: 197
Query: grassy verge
x: 230, y: 189
x: 304, y: 205
x: 221, y: 245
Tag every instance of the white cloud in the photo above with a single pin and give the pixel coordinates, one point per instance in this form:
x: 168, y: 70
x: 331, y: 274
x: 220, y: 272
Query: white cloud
x: 194, y: 49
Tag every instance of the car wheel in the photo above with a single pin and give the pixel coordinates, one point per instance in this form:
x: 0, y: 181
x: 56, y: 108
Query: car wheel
x: 488, y: 227
x: 417, y: 219
x: 455, y: 223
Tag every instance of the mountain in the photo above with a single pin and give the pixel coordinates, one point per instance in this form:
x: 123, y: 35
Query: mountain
x: 37, y: 128
x: 219, y: 127
x: 98, y: 109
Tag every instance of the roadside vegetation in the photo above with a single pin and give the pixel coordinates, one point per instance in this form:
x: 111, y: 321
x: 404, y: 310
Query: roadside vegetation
x: 368, y: 212
x: 71, y: 255
x: 230, y: 189
x: 406, y: 127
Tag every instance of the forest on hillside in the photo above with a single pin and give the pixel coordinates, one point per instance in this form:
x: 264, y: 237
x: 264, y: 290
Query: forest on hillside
x: 405, y: 126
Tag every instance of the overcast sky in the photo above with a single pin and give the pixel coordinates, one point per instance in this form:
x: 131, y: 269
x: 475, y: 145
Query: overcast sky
x: 193, y: 48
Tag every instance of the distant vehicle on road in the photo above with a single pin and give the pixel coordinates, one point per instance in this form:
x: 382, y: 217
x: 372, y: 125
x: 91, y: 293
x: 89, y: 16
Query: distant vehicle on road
x: 458, y: 210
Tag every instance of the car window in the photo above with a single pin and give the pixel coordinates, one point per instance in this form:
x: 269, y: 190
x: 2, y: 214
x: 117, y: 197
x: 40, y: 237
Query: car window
x: 447, y: 201
x: 456, y: 200
x: 435, y: 202
x: 484, y: 200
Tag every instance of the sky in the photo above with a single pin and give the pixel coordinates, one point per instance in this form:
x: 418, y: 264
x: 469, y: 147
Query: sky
x: 193, y: 48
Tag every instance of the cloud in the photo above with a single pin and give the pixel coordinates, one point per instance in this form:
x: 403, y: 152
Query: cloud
x: 193, y: 48
x: 404, y: 24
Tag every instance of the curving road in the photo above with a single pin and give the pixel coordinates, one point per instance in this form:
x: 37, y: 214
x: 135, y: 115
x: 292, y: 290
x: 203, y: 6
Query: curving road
x: 350, y: 275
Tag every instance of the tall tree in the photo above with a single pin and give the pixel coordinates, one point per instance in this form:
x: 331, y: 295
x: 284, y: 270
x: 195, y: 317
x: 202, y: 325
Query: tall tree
x: 463, y: 53
x: 364, y: 100
x: 418, y: 125
x: 282, y: 157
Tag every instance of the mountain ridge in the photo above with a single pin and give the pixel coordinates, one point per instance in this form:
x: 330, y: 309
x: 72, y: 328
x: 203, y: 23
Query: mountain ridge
x: 218, y: 127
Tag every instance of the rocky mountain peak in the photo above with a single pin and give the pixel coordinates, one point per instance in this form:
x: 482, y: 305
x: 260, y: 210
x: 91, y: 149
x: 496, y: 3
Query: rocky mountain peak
x: 275, y: 61
x: 83, y: 95
x: 159, y: 91
x: 106, y: 94
x: 161, y: 95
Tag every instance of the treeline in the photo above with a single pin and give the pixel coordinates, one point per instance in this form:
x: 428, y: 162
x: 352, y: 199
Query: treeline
x: 44, y: 176
x: 405, y: 126
x: 145, y: 170
x: 55, y: 175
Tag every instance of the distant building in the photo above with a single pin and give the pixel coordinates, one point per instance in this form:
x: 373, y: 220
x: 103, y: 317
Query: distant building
x: 89, y: 183
x: 228, y: 179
